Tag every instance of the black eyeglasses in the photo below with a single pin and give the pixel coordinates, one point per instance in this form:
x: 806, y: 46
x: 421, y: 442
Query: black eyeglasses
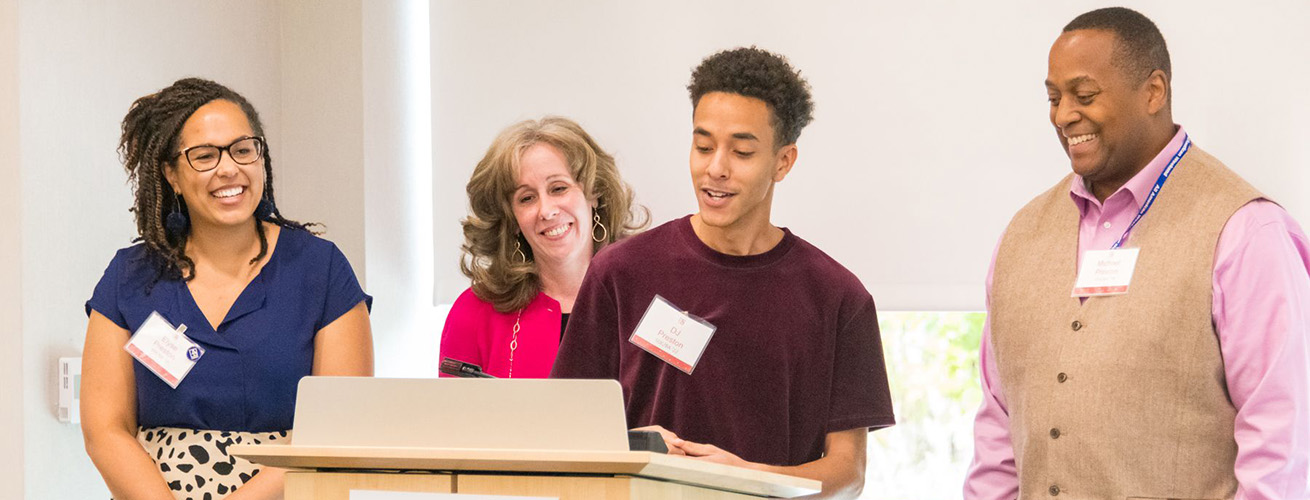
x: 244, y: 151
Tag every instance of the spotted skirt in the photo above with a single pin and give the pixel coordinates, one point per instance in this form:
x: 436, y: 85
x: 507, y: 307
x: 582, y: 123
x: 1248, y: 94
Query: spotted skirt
x: 196, y: 464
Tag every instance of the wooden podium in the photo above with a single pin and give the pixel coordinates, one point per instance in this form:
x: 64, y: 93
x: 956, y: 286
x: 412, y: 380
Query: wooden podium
x: 469, y: 436
x: 330, y: 473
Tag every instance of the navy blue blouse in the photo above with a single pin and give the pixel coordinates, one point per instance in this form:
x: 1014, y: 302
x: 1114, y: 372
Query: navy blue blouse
x: 247, y: 378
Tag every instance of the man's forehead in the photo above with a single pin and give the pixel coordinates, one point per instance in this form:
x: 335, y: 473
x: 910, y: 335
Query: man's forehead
x: 1081, y: 56
x: 724, y: 114
x: 1074, y: 81
x: 744, y: 135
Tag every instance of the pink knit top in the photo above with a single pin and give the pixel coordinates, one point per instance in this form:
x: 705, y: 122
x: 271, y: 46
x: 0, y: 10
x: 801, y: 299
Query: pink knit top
x: 476, y: 333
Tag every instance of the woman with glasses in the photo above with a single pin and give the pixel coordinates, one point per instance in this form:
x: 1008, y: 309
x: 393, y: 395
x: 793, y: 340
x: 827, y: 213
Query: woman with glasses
x: 199, y: 333
x: 543, y: 200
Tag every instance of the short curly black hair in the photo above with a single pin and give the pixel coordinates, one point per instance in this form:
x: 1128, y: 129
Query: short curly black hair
x: 758, y: 73
x: 1141, y: 48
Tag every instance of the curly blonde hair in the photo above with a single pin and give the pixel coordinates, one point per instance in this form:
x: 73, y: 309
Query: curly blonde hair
x: 491, y: 231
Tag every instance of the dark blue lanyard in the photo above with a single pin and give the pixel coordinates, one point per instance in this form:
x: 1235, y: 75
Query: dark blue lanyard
x: 1155, y: 191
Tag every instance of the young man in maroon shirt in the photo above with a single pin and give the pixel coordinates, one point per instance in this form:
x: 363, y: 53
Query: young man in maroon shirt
x: 792, y: 378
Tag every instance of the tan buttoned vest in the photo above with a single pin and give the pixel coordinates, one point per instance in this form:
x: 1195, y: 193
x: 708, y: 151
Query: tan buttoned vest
x: 1121, y: 396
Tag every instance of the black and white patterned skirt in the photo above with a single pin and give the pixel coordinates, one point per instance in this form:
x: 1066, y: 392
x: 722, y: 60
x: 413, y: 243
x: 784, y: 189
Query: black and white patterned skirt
x: 196, y: 464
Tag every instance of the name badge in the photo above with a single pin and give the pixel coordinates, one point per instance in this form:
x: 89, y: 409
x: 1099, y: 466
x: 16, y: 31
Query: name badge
x: 672, y: 335
x: 1105, y: 272
x: 164, y: 350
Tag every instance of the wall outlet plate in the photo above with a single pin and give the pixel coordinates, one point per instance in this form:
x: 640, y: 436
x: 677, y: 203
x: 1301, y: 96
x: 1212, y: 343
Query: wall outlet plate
x: 70, y: 390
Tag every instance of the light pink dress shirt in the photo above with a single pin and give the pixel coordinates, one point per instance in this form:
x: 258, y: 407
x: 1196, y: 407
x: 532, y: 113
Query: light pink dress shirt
x: 1261, y: 313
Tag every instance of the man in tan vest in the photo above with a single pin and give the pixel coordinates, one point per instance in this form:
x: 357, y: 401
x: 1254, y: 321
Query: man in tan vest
x: 1149, y: 314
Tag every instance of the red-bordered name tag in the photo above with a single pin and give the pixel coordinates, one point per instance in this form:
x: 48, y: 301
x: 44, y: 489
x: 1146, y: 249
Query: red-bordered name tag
x: 164, y: 350
x: 1105, y: 272
x: 672, y: 334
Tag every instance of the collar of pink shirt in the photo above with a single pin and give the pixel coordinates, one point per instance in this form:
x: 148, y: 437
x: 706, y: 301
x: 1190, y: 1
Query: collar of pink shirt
x: 1132, y: 194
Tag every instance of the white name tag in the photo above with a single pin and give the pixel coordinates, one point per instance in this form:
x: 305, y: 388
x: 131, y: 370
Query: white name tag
x: 164, y: 350
x: 1105, y: 272
x: 672, y: 335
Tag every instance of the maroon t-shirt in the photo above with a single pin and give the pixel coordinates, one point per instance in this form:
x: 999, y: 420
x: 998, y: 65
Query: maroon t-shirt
x: 796, y: 353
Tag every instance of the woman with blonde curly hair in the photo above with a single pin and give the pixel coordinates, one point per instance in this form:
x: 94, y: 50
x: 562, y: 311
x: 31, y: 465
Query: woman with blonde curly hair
x: 543, y: 200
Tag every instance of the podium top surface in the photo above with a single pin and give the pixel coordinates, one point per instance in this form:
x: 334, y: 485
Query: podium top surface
x: 634, y: 463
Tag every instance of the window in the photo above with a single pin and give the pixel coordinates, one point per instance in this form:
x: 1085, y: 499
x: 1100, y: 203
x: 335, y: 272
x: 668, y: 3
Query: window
x: 932, y: 365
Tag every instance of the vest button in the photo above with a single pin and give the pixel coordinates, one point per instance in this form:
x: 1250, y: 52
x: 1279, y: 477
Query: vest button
x: 1055, y: 433
x: 1061, y: 377
x: 1055, y: 490
x: 1077, y: 325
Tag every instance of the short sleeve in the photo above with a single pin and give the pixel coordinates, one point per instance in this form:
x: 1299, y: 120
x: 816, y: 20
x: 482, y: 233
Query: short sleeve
x: 343, y: 290
x: 104, y: 299
x: 860, y: 395
x: 459, y: 335
x: 590, y: 348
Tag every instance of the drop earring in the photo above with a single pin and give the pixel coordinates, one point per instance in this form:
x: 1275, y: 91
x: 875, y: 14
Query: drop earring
x: 518, y: 252
x: 176, y: 223
x: 265, y: 209
x: 596, y: 223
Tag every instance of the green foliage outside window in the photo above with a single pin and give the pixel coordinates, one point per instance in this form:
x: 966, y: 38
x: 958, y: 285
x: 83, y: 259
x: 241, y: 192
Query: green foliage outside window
x: 932, y: 365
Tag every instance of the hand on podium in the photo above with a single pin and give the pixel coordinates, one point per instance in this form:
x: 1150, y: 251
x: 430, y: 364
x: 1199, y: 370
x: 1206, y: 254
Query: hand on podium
x: 670, y: 439
x: 841, y: 469
x: 711, y: 453
x: 706, y: 452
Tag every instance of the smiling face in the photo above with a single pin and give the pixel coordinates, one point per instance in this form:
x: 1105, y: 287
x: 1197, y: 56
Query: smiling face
x: 1104, y: 118
x: 227, y: 195
x: 551, y: 208
x: 734, y: 163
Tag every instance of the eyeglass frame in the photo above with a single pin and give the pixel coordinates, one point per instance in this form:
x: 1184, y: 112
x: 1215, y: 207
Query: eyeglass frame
x: 259, y: 139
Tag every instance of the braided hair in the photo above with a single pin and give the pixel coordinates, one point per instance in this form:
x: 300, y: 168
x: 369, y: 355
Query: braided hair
x: 149, y: 144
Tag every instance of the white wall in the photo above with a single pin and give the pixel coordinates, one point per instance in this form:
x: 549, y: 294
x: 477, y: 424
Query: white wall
x: 930, y: 127
x: 79, y: 67
x: 320, y: 159
x: 11, y: 324
x: 397, y: 187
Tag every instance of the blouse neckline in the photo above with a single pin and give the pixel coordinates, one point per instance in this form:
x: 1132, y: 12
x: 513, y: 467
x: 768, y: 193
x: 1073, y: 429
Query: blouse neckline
x: 250, y: 299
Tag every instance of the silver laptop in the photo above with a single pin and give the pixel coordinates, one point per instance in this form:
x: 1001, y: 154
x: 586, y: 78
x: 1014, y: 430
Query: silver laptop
x: 519, y: 414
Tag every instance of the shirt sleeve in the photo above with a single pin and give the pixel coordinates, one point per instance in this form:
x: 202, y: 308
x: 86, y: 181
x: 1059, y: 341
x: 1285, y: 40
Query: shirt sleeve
x: 343, y: 290
x: 459, y: 335
x: 992, y: 475
x: 104, y: 299
x: 590, y: 348
x: 860, y: 395
x: 1262, y: 316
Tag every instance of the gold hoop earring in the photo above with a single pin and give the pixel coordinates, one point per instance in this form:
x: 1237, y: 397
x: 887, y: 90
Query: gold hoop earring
x: 518, y: 252
x: 596, y: 223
